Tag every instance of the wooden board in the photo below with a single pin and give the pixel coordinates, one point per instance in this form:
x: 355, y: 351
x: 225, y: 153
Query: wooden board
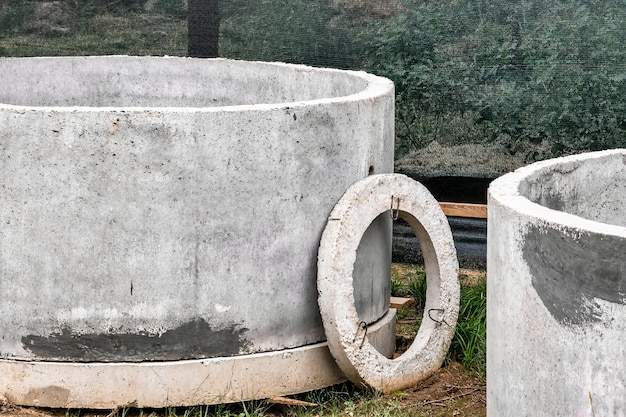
x: 291, y: 401
x: 477, y: 211
x: 400, y: 302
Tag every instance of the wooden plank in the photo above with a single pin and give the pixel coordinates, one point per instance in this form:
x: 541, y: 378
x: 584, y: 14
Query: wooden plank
x: 291, y: 401
x: 477, y: 211
x: 400, y: 302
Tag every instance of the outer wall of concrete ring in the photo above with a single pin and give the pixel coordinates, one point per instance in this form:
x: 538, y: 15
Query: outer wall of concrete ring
x: 177, y: 383
x: 348, y: 342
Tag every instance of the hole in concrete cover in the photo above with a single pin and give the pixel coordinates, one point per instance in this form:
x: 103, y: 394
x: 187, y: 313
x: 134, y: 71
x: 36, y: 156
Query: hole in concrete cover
x: 405, y: 286
x: 408, y: 297
x: 470, y: 234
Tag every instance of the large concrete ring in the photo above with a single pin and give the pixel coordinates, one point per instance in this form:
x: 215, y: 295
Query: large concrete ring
x: 347, y: 336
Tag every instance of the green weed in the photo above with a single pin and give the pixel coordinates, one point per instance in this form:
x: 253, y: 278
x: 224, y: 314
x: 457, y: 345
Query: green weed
x: 14, y: 17
x: 398, y: 288
x: 526, y: 74
x: 172, y: 8
x: 469, y: 345
x: 296, y: 31
x: 417, y: 290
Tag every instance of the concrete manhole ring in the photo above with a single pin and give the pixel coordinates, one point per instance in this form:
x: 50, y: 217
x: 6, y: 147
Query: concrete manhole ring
x: 347, y: 336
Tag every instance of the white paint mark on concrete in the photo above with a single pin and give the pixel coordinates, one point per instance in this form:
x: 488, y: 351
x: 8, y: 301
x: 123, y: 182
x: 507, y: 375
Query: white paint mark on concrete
x: 222, y: 309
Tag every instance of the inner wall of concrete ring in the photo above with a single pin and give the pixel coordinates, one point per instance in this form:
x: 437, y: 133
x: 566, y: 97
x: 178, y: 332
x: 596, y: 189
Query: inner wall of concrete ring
x: 163, y: 209
x: 556, y: 315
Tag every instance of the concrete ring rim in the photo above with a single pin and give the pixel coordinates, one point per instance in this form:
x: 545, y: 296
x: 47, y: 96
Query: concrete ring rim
x: 357, y: 358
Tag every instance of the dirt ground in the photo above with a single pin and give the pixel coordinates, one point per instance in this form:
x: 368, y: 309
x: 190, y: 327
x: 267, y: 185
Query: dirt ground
x: 451, y: 391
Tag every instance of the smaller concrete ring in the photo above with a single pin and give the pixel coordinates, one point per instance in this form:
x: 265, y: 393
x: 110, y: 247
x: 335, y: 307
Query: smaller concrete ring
x: 347, y: 341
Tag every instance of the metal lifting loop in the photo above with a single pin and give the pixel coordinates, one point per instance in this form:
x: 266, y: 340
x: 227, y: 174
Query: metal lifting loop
x: 395, y: 213
x: 441, y: 311
x: 363, y: 328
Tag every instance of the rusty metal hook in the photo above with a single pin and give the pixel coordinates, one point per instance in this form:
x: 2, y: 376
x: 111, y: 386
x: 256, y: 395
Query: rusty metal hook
x: 362, y: 326
x: 441, y: 310
x: 395, y: 213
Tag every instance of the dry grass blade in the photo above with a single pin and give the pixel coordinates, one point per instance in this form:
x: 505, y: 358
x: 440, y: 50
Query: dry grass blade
x: 452, y: 397
x: 291, y: 401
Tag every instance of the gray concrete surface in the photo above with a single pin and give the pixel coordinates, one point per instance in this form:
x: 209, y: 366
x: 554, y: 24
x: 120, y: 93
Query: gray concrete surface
x: 349, y: 338
x: 185, y: 383
x: 167, y: 383
x: 166, y: 209
x: 556, y: 279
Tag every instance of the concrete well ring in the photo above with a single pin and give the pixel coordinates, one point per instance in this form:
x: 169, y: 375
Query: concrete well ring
x: 347, y: 339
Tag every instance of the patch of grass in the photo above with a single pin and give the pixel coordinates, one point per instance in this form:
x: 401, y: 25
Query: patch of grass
x: 296, y: 31
x: 347, y: 400
x: 417, y: 291
x: 13, y: 17
x: 469, y: 344
x: 409, y: 281
x: 173, y: 8
x: 405, y: 279
x: 83, y: 28
x: 397, y: 288
x: 257, y: 408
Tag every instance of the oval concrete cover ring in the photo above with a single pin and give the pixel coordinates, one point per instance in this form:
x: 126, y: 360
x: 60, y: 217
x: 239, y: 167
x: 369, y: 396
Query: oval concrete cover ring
x: 346, y: 334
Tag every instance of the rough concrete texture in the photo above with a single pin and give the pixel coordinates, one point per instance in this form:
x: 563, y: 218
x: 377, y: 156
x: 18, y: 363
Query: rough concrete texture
x: 183, y: 383
x: 348, y: 335
x: 170, y: 208
x: 556, y: 277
